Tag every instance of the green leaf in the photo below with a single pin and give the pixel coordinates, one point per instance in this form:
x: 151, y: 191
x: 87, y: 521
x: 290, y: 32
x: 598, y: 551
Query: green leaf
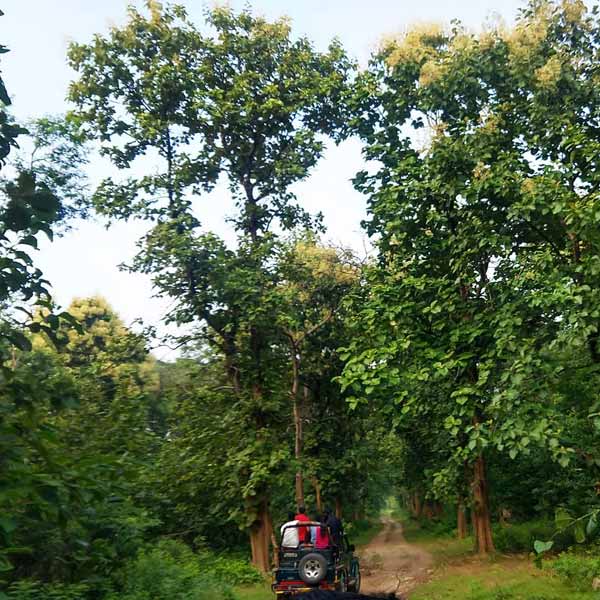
x: 579, y: 532
x: 20, y: 341
x: 4, y: 94
x: 541, y: 547
x: 7, y: 524
x: 592, y: 524
x: 562, y: 518
x: 53, y: 321
x: 29, y: 240
x: 5, y: 565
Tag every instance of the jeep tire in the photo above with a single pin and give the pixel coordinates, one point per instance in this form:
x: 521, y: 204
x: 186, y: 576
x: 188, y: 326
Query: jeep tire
x: 312, y: 568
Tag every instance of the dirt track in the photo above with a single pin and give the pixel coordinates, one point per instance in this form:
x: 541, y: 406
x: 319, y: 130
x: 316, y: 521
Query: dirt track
x: 390, y: 564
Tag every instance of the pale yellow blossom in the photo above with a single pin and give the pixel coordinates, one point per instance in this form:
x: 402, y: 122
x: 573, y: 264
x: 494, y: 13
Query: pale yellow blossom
x: 431, y: 72
x: 528, y: 35
x: 462, y: 42
x: 418, y: 43
x: 490, y: 123
x: 481, y: 171
x: 573, y: 11
x: 549, y: 75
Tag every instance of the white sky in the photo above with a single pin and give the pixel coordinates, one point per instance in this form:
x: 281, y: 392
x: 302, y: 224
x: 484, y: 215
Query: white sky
x: 85, y: 261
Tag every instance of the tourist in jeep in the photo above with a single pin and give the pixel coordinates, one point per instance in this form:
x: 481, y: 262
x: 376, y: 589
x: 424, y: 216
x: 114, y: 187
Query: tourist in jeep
x: 289, y: 535
x: 322, y: 538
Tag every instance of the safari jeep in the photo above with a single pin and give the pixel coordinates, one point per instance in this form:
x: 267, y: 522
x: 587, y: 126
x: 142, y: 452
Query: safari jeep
x: 306, y: 568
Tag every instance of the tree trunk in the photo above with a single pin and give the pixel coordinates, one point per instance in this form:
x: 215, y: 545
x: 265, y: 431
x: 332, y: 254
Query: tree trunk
x: 428, y: 510
x: 338, y: 507
x: 260, y: 538
x: 233, y: 372
x: 270, y: 535
x: 297, y: 410
x: 416, y: 505
x: 482, y: 523
x: 504, y: 516
x: 275, y: 546
x: 461, y: 520
x: 318, y: 499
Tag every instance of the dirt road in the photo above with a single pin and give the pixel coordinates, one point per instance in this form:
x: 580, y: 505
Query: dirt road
x: 390, y: 564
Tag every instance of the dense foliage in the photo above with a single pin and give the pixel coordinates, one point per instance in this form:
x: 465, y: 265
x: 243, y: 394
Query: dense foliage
x: 456, y: 369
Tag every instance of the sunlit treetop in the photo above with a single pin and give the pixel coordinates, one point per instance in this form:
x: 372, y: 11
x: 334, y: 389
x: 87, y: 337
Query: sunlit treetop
x: 245, y: 100
x: 438, y: 50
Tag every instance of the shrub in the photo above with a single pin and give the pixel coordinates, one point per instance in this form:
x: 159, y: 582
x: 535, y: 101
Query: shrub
x: 27, y: 589
x: 576, y: 569
x: 169, y: 571
x: 439, y: 527
x: 435, y: 527
x: 520, y: 537
x: 231, y: 571
x: 362, y: 531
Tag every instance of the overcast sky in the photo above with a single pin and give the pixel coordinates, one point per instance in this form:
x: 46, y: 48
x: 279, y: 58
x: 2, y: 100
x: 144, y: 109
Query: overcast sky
x: 85, y: 261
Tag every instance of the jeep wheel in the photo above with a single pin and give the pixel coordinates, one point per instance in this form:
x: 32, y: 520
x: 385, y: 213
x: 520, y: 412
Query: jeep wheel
x: 312, y: 568
x: 355, y: 586
x: 342, y: 585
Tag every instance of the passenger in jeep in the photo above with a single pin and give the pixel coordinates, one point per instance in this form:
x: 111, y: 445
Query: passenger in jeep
x: 289, y: 534
x: 322, y: 539
x: 303, y: 532
x: 313, y: 529
x: 335, y: 526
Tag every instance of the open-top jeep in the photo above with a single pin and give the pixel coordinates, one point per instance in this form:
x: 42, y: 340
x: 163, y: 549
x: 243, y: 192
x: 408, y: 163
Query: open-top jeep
x: 307, y: 568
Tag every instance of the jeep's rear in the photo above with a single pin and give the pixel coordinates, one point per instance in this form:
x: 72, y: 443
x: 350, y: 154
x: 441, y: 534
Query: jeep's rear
x: 305, y: 567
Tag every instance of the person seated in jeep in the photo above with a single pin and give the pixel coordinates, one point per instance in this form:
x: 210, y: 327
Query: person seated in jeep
x: 313, y: 528
x: 322, y: 538
x: 289, y: 534
x: 335, y: 526
x: 303, y: 532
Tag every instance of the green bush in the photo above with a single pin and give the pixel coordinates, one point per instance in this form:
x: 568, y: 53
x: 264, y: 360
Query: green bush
x: 362, y: 531
x: 439, y: 527
x: 442, y: 526
x: 27, y: 589
x: 169, y: 571
x: 231, y: 571
x: 577, y: 569
x: 520, y: 537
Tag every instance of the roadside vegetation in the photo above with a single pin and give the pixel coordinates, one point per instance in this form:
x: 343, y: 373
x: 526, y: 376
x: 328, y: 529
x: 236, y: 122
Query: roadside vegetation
x: 509, y: 573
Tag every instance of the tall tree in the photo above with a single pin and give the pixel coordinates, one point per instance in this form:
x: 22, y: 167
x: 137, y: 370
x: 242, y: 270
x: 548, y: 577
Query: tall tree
x: 250, y: 103
x: 314, y: 281
x: 480, y: 224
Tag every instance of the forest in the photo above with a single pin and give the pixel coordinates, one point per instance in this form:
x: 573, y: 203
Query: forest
x: 449, y: 379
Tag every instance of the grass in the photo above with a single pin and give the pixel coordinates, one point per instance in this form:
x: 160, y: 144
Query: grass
x: 255, y: 592
x: 444, y: 548
x: 512, y: 579
x: 461, y: 575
